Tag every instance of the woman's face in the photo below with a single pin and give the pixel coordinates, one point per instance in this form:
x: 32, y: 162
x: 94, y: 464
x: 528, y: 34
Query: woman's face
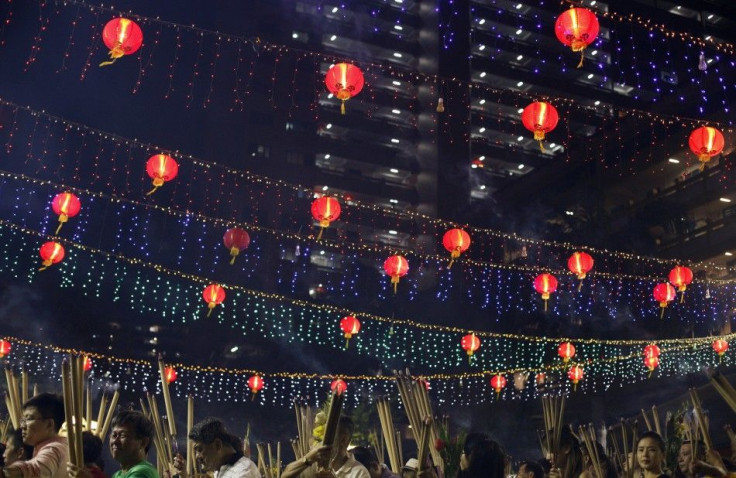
x: 685, y: 457
x: 649, y: 455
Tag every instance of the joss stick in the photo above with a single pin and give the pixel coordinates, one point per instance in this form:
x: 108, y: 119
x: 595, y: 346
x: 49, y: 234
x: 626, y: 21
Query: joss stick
x: 24, y: 385
x: 77, y: 408
x: 11, y: 412
x: 278, y: 459
x: 655, y: 417
x: 389, y: 433
x: 167, y: 397
x: 701, y: 419
x: 66, y: 386
x: 190, y: 443
x: 624, y: 440
x: 646, y: 420
x: 110, y: 413
x: 88, y: 407
x: 101, y: 413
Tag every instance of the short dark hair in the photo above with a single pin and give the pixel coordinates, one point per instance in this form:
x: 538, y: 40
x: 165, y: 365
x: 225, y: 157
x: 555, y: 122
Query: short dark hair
x: 210, y: 429
x: 16, y: 438
x: 49, y: 405
x: 91, y: 447
x: 142, y: 426
x: 365, y: 455
x: 534, y: 467
x: 654, y: 436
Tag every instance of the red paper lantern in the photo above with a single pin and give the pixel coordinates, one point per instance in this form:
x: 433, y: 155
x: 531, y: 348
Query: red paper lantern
x: 255, y: 383
x: 338, y: 386
x: 161, y: 168
x: 52, y: 253
x: 65, y: 205
x: 122, y: 37
x: 566, y: 350
x: 651, y: 363
x: 664, y: 294
x: 575, y: 374
x: 350, y: 326
x: 580, y: 263
x: 325, y: 210
x: 456, y: 241
x: 214, y: 295
x: 87, y: 364
x: 170, y: 374
x: 236, y: 240
x: 470, y: 343
x: 539, y: 118
x: 706, y: 142
x: 540, y: 378
x: 720, y: 346
x: 4, y: 348
x: 344, y: 81
x: 545, y: 284
x: 651, y: 350
x: 577, y: 28
x: 498, y: 382
x: 396, y: 266
x: 681, y: 277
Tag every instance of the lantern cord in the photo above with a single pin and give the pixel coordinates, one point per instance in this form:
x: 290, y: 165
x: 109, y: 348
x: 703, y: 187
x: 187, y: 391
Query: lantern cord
x: 545, y: 305
x: 661, y: 314
x: 212, y: 307
x: 452, y: 260
x: 232, y: 261
x: 319, y: 236
x: 347, y: 343
x: 152, y: 190
x: 580, y: 285
x: 58, y: 228
x: 650, y: 372
x: 252, y: 396
x: 682, y: 297
x: 342, y: 107
x: 44, y: 266
x: 582, y: 56
x: 541, y: 146
x: 105, y: 63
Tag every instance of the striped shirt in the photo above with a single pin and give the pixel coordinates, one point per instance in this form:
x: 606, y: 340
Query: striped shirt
x: 49, y: 460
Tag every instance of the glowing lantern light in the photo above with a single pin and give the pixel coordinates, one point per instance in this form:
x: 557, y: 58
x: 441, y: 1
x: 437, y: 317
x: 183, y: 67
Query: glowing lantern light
x: 87, y: 364
x: 651, y: 350
x: 122, y: 37
x: 170, y: 374
x: 236, y: 240
x: 338, y: 386
x: 539, y: 118
x: 663, y: 293
x: 720, y: 346
x: 498, y: 382
x: 456, y: 241
x: 4, y: 348
x: 577, y: 28
x: 470, y: 343
x: 344, y: 81
x: 161, y: 168
x: 545, y: 284
x: 706, y: 142
x: 350, y: 326
x: 214, y: 295
x: 566, y: 350
x: 575, y: 374
x: 681, y: 277
x: 52, y: 253
x: 540, y: 378
x: 651, y: 363
x: 255, y: 383
x: 580, y: 263
x: 325, y: 210
x: 65, y: 205
x: 397, y: 267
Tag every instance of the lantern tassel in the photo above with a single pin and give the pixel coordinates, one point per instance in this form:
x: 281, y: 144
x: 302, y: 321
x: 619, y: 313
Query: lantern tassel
x: 252, y: 396
x: 661, y: 314
x: 470, y: 358
x: 580, y: 285
x: 152, y: 191
x: 575, y: 386
x: 453, y: 255
x: 234, y: 251
x: 347, y: 342
x: 211, y: 307
x: 395, y: 282
x: 545, y: 305
x: 44, y: 267
x: 319, y: 236
x: 498, y: 394
x: 650, y: 372
x: 115, y: 53
x: 452, y: 260
x: 682, y: 297
x: 58, y: 228
x: 342, y: 108
x: 720, y: 358
x: 582, y: 56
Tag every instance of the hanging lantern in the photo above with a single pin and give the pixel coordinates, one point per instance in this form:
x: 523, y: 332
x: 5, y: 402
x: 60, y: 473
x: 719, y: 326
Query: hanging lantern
x: 651, y: 363
x: 396, y: 266
x: 575, y: 374
x: 87, y: 364
x: 577, y: 28
x: 520, y: 379
x: 236, y: 240
x: 706, y: 142
x: 170, y: 374
x: 664, y: 294
x: 651, y: 350
x: 161, y: 168
x: 122, y: 37
x: 325, y: 210
x: 470, y: 344
x: 344, y: 81
x: 580, y: 263
x: 255, y: 383
x: 338, y: 386
x: 52, y: 253
x: 681, y: 277
x: 4, y: 348
x: 440, y: 105
x: 545, y: 284
x: 540, y: 378
x: 720, y: 346
x: 539, y: 118
x: 350, y: 326
x: 566, y: 350
x: 214, y: 295
x: 456, y: 241
x: 65, y: 205
x: 498, y: 382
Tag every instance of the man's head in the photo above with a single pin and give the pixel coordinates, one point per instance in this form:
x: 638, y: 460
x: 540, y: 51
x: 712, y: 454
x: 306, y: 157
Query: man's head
x: 91, y: 447
x: 687, y: 455
x: 130, y: 438
x: 42, y: 418
x: 213, y: 444
x: 368, y: 459
x: 409, y: 470
x: 529, y: 469
x: 15, y: 450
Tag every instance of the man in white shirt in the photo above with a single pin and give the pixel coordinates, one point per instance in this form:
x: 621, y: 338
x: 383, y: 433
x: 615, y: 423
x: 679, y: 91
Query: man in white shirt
x: 221, y: 452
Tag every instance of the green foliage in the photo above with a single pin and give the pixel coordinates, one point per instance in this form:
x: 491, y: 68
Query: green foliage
x: 450, y: 448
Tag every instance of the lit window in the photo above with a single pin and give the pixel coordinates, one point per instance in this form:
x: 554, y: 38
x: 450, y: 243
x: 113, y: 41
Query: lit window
x: 396, y: 83
x: 482, y: 47
x: 482, y: 130
x: 397, y: 54
x: 394, y: 140
x: 597, y: 102
x: 333, y: 38
x: 520, y: 84
x: 520, y: 138
x: 398, y: 27
x: 590, y: 76
x: 334, y: 10
x: 328, y: 125
x: 519, y: 58
x: 483, y: 74
x: 482, y: 102
x: 674, y: 161
x: 392, y: 232
x: 521, y: 166
x: 396, y: 112
x: 394, y: 170
x: 519, y: 31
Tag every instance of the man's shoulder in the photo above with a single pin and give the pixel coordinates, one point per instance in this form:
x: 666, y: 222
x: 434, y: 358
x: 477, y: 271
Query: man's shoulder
x: 143, y: 469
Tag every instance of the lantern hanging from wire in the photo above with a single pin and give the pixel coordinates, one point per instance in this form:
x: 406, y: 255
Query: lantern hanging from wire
x: 545, y: 284
x: 344, y: 81
x: 170, y: 374
x: 470, y: 343
x: 161, y: 168
x: 651, y: 350
x: 580, y: 263
x: 575, y: 374
x: 52, y: 253
x: 566, y: 350
x: 396, y: 267
x: 121, y: 36
x: 236, y: 239
x: 498, y: 382
x: 720, y: 346
x: 577, y: 28
x: 338, y: 386
x: 349, y: 326
x: 681, y: 277
x: 65, y: 205
x: 663, y: 293
x: 539, y: 118
x: 255, y: 383
x: 456, y: 241
x: 214, y: 295
x: 651, y: 363
x: 325, y: 210
x: 706, y: 142
x: 4, y: 348
x: 86, y: 364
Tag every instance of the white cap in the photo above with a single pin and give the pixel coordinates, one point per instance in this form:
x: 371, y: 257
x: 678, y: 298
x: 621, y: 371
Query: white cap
x: 411, y: 464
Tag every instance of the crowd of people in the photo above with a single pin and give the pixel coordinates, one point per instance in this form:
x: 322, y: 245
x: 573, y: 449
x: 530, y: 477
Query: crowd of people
x: 38, y: 450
